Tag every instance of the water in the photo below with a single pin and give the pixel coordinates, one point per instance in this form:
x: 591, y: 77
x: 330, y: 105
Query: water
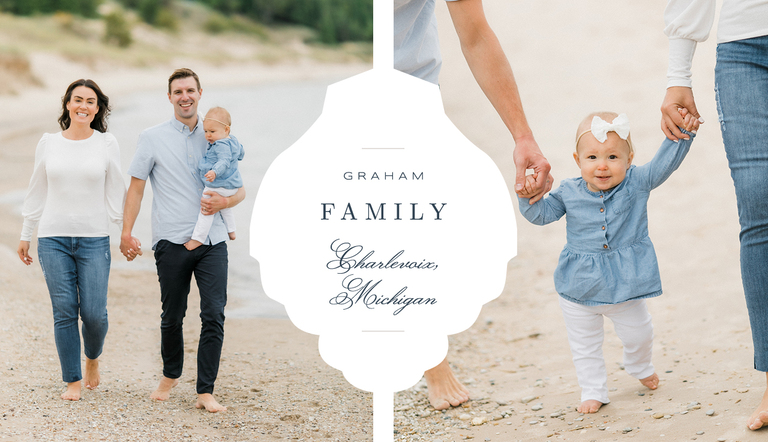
x: 266, y: 119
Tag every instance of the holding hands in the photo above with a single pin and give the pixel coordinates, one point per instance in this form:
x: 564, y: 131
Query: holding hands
x: 679, y: 98
x: 130, y: 247
x: 527, y: 155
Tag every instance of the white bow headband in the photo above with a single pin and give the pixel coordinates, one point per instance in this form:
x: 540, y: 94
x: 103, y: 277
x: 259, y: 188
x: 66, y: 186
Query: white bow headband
x: 600, y: 129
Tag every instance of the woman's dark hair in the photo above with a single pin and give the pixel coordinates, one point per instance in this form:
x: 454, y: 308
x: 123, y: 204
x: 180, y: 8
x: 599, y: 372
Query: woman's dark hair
x: 100, y: 119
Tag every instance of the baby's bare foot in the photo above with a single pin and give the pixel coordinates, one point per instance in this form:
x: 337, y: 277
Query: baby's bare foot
x: 92, y: 377
x: 232, y: 235
x: 207, y: 401
x: 651, y: 381
x: 73, y: 392
x: 163, y: 391
x: 192, y: 244
x: 759, y: 418
x: 589, y: 406
x: 445, y: 391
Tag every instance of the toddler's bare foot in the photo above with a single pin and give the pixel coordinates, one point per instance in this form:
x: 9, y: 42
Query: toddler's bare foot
x: 232, y: 235
x: 445, y: 391
x: 207, y: 401
x: 192, y: 244
x: 590, y: 406
x: 92, y: 377
x: 651, y: 381
x: 73, y: 392
x: 163, y: 391
x: 759, y: 418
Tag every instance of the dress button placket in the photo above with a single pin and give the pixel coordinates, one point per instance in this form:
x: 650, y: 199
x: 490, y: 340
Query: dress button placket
x: 602, y: 210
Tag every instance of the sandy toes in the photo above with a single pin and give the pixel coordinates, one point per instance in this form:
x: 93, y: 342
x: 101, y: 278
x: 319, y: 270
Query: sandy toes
x: 590, y: 406
x: 759, y: 418
x: 163, y: 391
x: 207, y: 401
x: 73, y: 392
x: 445, y: 391
x: 651, y: 381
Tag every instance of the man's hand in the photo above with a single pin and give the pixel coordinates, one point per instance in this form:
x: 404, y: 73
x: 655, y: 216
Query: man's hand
x: 212, y: 202
x: 677, y: 97
x: 527, y: 155
x: 130, y: 247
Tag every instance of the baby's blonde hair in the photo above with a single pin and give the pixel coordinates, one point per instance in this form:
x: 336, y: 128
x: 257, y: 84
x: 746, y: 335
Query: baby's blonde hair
x: 219, y: 114
x: 586, y: 123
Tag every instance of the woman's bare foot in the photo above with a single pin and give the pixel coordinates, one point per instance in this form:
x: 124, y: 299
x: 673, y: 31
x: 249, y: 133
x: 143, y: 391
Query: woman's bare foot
x: 590, y: 406
x: 207, y: 401
x: 163, y: 391
x: 73, y: 392
x: 445, y: 391
x: 759, y: 418
x: 192, y: 244
x: 232, y: 235
x: 92, y: 377
x: 651, y: 381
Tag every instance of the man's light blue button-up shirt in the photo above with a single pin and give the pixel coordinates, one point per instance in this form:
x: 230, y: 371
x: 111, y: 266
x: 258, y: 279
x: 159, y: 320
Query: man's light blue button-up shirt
x: 417, y: 49
x: 168, y: 155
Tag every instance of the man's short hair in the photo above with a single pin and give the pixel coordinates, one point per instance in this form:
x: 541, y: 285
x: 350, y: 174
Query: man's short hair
x: 183, y: 73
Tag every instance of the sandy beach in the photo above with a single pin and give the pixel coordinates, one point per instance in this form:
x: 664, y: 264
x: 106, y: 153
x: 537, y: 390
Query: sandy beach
x: 569, y: 59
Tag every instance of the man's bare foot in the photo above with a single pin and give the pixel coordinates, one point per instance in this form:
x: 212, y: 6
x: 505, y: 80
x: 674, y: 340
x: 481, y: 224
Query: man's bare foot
x: 163, y: 391
x: 589, y: 406
x: 73, y: 392
x: 445, y: 391
x: 192, y: 244
x: 651, y: 381
x: 92, y: 377
x: 207, y: 401
x: 759, y: 418
x: 232, y: 235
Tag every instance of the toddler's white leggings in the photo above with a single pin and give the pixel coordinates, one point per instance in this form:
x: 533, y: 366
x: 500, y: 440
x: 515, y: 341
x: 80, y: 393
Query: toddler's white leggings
x: 204, y: 222
x: 632, y: 323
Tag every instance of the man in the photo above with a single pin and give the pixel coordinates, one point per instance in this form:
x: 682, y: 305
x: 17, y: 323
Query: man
x: 168, y: 155
x: 417, y: 52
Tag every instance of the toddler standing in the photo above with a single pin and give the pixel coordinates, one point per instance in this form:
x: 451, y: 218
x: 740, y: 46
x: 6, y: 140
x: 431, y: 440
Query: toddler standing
x: 219, y: 169
x: 608, y: 266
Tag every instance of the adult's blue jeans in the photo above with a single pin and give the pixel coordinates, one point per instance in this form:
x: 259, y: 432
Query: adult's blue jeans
x: 76, y: 270
x: 175, y: 267
x: 741, y: 87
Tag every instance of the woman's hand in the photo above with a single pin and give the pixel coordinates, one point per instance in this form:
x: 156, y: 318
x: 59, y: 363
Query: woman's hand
x: 23, y: 252
x: 677, y: 97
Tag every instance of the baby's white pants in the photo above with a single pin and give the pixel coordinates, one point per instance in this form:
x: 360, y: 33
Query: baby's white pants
x: 584, y: 323
x: 204, y: 222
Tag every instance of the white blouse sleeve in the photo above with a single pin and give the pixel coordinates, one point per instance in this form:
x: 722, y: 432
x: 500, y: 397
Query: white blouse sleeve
x: 114, y: 185
x: 34, y: 202
x: 686, y: 23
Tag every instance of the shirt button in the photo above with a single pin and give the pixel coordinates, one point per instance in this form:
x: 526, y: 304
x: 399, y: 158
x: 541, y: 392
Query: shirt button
x: 603, y: 227
x: 602, y: 210
x: 605, y: 246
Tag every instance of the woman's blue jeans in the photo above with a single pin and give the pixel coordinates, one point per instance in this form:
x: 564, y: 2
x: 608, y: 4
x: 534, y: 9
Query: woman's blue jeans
x: 741, y: 87
x: 76, y: 270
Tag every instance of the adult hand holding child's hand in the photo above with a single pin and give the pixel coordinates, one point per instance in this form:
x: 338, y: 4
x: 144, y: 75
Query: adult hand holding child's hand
x: 678, y: 97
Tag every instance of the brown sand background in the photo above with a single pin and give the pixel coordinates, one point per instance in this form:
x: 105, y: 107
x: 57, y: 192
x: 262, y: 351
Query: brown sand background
x: 570, y: 58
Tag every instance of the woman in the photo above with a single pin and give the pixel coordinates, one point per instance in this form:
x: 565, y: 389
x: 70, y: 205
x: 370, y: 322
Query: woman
x: 76, y: 187
x: 741, y: 87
